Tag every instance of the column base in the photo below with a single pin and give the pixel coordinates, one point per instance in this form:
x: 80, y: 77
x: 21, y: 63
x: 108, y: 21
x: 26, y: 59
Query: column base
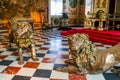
x: 101, y: 29
x: 92, y: 27
x: 85, y: 27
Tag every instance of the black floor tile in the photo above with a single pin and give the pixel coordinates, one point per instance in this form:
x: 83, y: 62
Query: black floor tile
x: 42, y: 73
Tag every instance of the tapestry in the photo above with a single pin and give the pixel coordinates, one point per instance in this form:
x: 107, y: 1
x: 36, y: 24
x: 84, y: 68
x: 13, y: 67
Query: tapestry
x: 76, y: 11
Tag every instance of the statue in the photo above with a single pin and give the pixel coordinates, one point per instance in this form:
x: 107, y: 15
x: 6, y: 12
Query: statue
x: 85, y: 21
x: 107, y: 22
x: 101, y: 16
x: 21, y: 33
x: 86, y: 58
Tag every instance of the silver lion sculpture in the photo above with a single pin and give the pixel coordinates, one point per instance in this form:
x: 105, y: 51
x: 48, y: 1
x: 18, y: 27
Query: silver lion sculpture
x: 86, y: 58
x: 21, y: 33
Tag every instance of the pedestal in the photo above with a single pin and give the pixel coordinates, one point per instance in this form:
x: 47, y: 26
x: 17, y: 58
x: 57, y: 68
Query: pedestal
x: 100, y: 27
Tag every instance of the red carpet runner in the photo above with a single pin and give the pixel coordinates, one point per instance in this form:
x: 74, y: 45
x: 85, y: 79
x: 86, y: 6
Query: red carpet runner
x: 106, y: 37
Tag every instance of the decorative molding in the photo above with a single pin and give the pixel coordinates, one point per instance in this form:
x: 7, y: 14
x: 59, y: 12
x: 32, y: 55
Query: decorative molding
x: 56, y: 21
x: 82, y: 2
x: 73, y: 3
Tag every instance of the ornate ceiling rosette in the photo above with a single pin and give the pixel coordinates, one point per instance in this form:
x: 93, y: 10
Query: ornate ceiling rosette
x: 73, y: 3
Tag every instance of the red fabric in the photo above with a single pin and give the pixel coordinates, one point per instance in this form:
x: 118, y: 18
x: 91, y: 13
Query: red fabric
x: 107, y: 37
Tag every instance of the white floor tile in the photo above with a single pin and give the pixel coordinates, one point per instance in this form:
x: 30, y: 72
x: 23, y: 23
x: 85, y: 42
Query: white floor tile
x: 59, y: 75
x: 15, y: 63
x: 6, y: 77
x: 50, y: 56
x: 60, y: 61
x: 34, y: 78
x: 26, y: 72
x: 47, y: 66
x: 2, y: 68
x: 95, y: 77
x: 6, y: 53
x: 11, y: 58
x: 41, y: 51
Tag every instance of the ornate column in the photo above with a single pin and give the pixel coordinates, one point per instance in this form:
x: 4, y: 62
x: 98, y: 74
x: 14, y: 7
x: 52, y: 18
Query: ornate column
x: 100, y: 27
x: 93, y: 24
x: 114, y: 15
x: 85, y: 22
x: 107, y: 22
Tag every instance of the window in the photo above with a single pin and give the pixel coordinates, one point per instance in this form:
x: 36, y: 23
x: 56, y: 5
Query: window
x: 88, y: 6
x: 56, y: 7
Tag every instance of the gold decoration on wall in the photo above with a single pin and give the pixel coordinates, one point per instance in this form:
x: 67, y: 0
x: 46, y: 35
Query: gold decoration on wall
x: 100, y: 3
x: 20, y: 8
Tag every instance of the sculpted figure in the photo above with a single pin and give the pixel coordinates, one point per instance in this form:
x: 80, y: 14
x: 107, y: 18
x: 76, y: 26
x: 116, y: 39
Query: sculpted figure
x: 21, y: 33
x: 86, y: 58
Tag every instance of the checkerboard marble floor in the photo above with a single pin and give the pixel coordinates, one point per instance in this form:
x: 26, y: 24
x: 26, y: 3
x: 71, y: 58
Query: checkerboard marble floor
x: 52, y: 50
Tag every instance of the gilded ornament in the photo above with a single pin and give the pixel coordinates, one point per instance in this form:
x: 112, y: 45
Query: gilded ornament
x: 87, y: 58
x: 22, y: 35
